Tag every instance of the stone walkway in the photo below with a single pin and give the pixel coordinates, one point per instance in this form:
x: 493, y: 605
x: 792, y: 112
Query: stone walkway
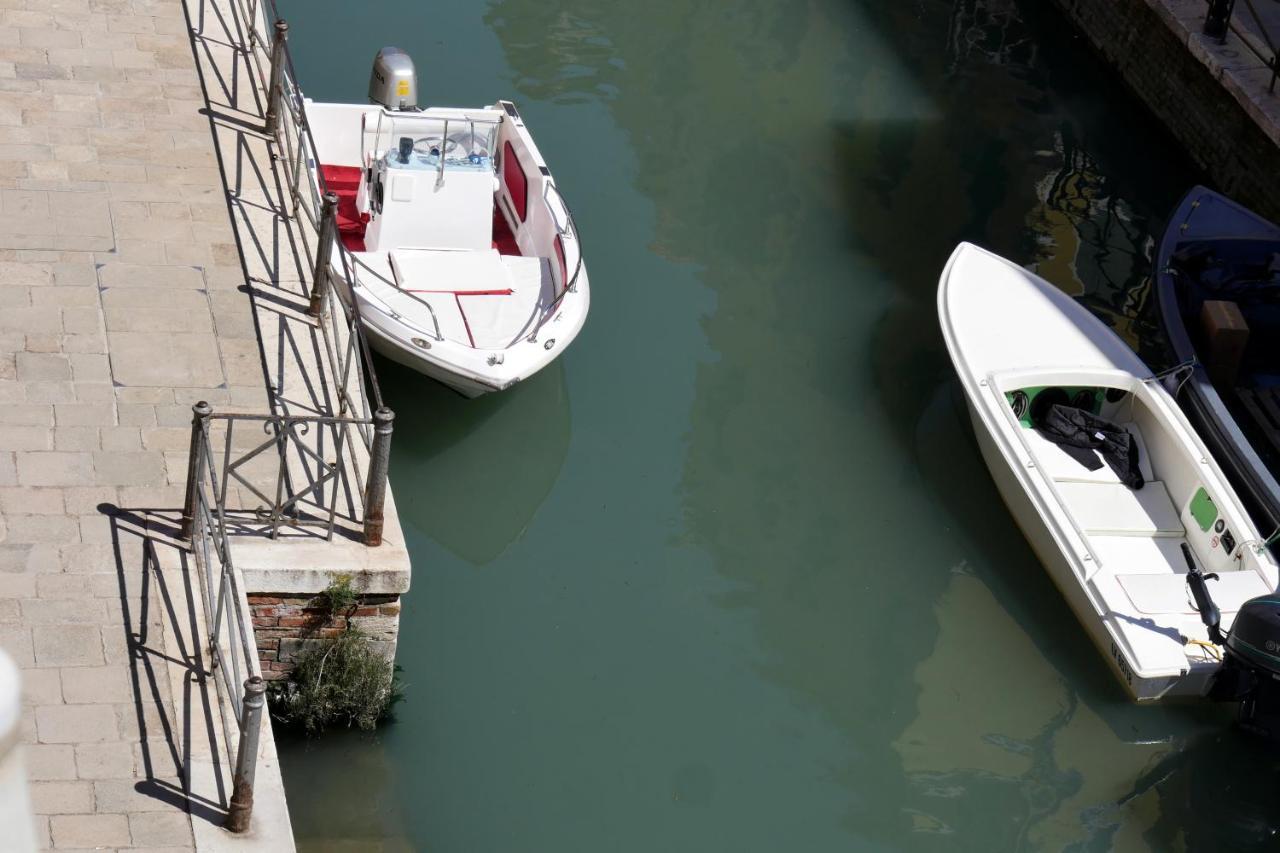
x: 119, y: 307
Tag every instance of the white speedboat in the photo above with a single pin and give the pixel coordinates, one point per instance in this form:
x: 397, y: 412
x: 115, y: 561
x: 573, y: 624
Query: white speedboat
x: 464, y: 258
x: 1116, y: 552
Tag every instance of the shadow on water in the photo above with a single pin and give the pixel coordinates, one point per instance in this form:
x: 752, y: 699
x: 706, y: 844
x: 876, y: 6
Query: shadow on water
x: 482, y: 467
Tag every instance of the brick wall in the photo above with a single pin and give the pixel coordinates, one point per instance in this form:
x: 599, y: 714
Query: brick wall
x: 286, y: 624
x: 1153, y: 55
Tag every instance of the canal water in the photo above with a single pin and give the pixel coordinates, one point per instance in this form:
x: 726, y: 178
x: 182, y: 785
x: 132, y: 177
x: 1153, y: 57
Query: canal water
x: 731, y: 575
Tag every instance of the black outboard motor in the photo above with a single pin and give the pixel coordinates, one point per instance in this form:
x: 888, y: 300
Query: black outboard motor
x: 1250, y: 672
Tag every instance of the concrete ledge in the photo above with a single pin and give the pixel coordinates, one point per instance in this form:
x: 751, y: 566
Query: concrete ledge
x: 306, y: 566
x: 1212, y: 97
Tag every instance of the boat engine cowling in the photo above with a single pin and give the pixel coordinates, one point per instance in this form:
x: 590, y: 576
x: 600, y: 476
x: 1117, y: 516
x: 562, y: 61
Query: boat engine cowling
x: 1255, y: 634
x: 1250, y: 671
x: 394, y: 81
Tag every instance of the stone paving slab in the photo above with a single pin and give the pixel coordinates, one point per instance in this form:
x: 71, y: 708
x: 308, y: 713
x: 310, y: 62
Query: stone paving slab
x: 113, y: 235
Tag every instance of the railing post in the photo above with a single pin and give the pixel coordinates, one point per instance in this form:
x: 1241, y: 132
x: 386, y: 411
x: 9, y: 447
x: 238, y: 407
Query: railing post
x: 277, y: 77
x: 324, y: 248
x: 1217, y: 19
x: 375, y: 493
x: 199, y: 419
x: 241, y: 808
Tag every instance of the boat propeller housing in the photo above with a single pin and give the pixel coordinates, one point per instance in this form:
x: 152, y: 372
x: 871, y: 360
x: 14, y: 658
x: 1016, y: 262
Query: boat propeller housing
x: 394, y: 81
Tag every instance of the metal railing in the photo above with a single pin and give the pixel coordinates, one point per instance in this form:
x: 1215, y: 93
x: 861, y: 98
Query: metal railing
x: 233, y: 651
x: 295, y: 472
x: 1218, y: 19
x: 308, y: 488
x: 251, y: 474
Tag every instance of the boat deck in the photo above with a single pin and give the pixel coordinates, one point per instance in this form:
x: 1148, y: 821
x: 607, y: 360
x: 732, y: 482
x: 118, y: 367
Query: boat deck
x: 1136, y: 538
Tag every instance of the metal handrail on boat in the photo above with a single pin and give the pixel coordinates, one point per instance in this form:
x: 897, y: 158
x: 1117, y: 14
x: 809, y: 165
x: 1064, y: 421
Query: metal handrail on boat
x: 570, y: 229
x: 355, y: 278
x: 1001, y: 405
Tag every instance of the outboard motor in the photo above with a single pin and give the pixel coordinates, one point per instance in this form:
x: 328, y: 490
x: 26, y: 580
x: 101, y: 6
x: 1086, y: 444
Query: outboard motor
x: 1250, y: 672
x: 394, y: 82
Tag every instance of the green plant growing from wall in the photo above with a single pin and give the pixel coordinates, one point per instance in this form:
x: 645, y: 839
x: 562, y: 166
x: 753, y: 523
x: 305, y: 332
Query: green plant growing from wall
x: 340, y: 596
x: 342, y: 682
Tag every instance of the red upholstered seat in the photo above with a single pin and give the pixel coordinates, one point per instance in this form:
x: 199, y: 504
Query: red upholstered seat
x: 345, y: 181
x: 503, y: 240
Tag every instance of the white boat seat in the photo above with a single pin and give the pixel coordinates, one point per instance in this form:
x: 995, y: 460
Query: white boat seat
x: 497, y: 323
x: 480, y: 298
x: 1112, y: 509
x: 1155, y: 594
x: 1055, y: 462
x: 1139, y: 555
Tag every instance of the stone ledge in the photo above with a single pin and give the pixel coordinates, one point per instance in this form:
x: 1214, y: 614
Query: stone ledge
x: 306, y: 567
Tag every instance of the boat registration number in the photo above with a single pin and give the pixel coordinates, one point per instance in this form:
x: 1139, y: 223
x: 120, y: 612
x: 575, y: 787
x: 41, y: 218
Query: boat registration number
x: 1122, y: 665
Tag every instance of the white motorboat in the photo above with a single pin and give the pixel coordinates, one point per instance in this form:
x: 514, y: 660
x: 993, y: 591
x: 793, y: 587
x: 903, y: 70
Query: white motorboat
x: 1117, y: 553
x: 464, y: 258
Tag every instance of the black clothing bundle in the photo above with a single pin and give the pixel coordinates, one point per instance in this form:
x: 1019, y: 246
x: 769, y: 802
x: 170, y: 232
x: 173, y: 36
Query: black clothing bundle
x: 1083, y: 436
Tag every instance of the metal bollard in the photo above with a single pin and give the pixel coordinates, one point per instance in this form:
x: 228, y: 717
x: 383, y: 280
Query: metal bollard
x: 324, y: 248
x: 375, y: 493
x: 200, y: 413
x: 277, y: 77
x: 1218, y: 18
x: 241, y: 808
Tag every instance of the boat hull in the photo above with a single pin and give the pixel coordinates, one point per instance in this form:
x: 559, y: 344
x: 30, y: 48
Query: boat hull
x: 1202, y: 403
x: 392, y: 349
x: 1058, y: 343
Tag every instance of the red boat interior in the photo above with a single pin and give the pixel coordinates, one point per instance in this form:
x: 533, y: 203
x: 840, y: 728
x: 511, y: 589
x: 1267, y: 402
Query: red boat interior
x: 345, y: 181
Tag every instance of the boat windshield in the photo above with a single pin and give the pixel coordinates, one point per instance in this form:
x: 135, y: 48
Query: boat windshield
x: 417, y: 142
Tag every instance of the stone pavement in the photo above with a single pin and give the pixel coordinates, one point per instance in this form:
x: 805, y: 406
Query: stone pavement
x: 119, y: 307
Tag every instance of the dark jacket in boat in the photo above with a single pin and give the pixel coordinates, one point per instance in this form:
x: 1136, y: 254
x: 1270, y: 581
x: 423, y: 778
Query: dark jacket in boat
x: 1083, y: 436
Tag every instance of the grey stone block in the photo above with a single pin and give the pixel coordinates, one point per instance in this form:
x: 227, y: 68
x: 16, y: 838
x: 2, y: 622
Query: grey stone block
x: 55, y: 469
x: 67, y: 645
x: 76, y: 724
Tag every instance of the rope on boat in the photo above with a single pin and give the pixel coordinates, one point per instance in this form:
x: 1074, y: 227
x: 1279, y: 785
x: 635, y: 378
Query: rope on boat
x: 1189, y: 366
x: 1263, y: 545
x: 1211, y: 650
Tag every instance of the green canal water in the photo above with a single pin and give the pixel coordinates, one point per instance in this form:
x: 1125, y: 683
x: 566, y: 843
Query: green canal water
x: 731, y: 575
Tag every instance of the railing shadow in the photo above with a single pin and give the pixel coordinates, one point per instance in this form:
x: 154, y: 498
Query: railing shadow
x: 167, y: 725
x: 303, y: 371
